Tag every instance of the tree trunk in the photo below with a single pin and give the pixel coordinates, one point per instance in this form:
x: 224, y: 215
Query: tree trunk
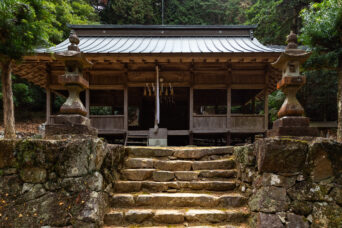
x: 339, y: 102
x: 7, y: 97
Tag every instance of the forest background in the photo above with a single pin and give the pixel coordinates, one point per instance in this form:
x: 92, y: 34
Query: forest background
x: 275, y: 20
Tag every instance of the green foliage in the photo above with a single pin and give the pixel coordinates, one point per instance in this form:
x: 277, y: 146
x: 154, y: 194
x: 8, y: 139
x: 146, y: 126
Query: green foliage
x: 64, y: 12
x: 275, y: 100
x: 322, y: 32
x: 182, y: 12
x: 275, y: 19
x: 318, y: 96
x: 23, y: 26
x: 129, y: 12
x: 26, y: 95
x: 28, y: 24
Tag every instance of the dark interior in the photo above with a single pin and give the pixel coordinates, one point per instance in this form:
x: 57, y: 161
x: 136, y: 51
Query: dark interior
x: 174, y: 110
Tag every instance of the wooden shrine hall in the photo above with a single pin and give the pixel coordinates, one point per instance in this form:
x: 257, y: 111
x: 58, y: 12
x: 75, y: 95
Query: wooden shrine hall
x: 196, y: 83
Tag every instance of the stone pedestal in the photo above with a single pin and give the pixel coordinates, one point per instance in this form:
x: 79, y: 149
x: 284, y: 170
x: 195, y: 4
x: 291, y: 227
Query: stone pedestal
x: 157, y: 138
x: 292, y: 126
x: 70, y: 124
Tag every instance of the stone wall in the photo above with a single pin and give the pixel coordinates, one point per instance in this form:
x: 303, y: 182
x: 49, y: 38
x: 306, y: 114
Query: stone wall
x: 292, y: 182
x: 56, y: 182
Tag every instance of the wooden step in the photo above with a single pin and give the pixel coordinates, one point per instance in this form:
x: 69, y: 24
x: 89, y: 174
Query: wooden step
x: 140, y: 216
x: 172, y: 200
x: 176, y: 186
x: 138, y: 136
x: 136, y: 140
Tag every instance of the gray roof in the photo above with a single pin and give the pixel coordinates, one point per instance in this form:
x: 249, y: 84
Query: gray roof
x: 164, y: 39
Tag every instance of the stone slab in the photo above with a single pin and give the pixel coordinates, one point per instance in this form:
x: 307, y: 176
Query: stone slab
x: 177, y: 200
x: 122, y: 200
x: 63, y: 129
x: 169, y: 216
x: 186, y: 175
x: 137, y: 174
x: 157, y: 142
x: 113, y: 218
x: 293, y: 131
x: 161, y: 176
x: 139, y: 163
x: 216, y: 164
x: 217, y: 173
x: 138, y: 215
x: 176, y: 165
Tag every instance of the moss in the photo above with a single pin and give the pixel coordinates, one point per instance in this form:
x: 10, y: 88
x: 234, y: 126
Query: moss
x: 334, y: 216
x: 26, y: 152
x: 286, y: 138
x: 1, y: 172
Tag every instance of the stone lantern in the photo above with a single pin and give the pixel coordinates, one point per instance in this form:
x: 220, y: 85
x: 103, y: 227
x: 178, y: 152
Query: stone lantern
x: 291, y: 120
x: 72, y: 118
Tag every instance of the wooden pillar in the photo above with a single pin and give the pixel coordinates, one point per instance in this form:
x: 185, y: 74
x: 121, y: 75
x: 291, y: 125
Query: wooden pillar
x: 48, y: 105
x: 266, y: 108
x: 126, y: 108
x: 229, y: 107
x: 191, y: 117
x: 87, y: 102
x: 229, y: 114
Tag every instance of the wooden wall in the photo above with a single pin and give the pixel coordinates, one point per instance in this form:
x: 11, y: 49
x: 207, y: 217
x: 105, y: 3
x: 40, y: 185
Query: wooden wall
x: 107, y: 75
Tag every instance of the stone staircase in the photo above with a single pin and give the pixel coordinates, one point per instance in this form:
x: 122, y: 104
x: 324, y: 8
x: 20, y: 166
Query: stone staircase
x: 178, y: 187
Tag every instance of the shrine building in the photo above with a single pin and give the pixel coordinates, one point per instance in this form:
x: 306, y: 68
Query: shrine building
x: 192, y: 83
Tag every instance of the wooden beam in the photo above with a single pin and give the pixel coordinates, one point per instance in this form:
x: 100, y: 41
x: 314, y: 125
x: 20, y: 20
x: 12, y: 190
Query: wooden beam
x: 107, y: 87
x: 248, y: 86
x: 174, y: 84
x: 213, y: 86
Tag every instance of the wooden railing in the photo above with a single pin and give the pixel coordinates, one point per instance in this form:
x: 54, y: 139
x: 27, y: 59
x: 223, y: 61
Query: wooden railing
x: 107, y: 123
x: 239, y: 123
x: 211, y: 123
x: 243, y: 123
x: 247, y: 123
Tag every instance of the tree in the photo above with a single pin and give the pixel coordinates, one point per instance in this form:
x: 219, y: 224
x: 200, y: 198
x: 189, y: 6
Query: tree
x: 55, y: 17
x: 322, y: 32
x: 275, y: 19
x: 129, y: 12
x: 23, y: 26
x: 64, y: 12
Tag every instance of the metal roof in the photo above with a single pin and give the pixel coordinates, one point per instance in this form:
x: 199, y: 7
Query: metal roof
x: 158, y: 27
x: 165, y: 44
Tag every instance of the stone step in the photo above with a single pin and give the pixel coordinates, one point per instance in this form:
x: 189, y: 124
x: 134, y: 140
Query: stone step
x: 175, y: 216
x: 178, y: 152
x: 137, y: 174
x: 179, y: 165
x: 152, y: 186
x: 182, y: 226
x: 146, y: 174
x: 170, y: 200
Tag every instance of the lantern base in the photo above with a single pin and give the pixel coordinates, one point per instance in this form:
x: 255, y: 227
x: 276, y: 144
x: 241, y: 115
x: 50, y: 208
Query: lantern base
x: 70, y: 124
x: 292, y: 126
